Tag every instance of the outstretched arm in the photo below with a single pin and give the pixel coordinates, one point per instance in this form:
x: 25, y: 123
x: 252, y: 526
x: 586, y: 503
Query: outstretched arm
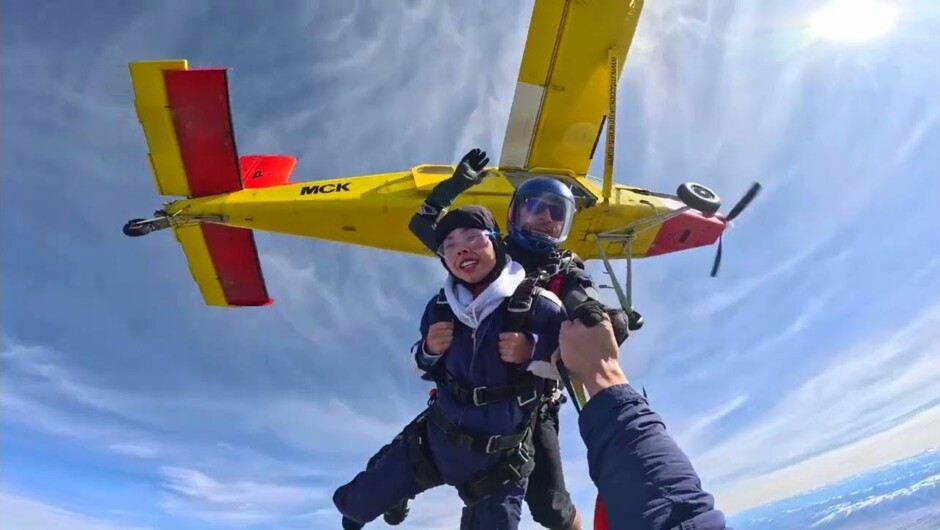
x: 467, y: 174
x: 643, y: 477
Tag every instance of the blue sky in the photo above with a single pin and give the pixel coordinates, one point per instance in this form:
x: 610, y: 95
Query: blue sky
x: 129, y: 404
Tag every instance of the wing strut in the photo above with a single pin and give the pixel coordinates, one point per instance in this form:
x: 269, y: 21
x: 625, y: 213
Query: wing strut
x: 613, y: 71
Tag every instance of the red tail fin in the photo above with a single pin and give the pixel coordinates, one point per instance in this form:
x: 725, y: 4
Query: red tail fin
x: 262, y: 171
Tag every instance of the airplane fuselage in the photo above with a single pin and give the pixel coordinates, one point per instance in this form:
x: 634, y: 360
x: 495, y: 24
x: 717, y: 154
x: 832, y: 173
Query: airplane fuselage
x: 374, y: 211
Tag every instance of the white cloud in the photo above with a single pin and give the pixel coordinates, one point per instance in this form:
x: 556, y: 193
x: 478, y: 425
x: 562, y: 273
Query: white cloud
x: 862, y: 392
x: 23, y: 513
x: 138, y: 449
x: 844, y: 510
x: 320, y: 430
x: 194, y: 493
x: 908, y: 439
x: 703, y: 425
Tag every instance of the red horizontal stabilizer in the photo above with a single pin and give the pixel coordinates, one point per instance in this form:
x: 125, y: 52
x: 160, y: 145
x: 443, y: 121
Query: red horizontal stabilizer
x: 236, y: 263
x: 199, y: 104
x: 263, y: 171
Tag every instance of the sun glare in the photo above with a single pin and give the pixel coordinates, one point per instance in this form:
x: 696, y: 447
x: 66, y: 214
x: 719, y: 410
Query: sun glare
x: 852, y: 20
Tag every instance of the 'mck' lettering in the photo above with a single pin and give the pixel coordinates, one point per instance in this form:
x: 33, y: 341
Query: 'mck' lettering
x: 324, y: 188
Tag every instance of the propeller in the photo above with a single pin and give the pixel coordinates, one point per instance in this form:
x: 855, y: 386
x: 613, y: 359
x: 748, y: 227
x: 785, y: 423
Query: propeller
x: 735, y: 211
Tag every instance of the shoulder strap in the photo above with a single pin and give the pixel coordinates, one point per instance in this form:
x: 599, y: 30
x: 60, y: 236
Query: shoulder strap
x: 442, y: 310
x: 522, y: 301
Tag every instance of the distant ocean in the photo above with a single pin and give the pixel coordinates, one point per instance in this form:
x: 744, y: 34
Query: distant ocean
x: 904, y: 495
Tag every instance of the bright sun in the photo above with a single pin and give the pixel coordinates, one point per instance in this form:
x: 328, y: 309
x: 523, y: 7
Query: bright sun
x: 852, y: 20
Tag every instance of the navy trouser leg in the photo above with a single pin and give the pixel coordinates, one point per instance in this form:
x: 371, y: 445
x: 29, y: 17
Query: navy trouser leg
x: 380, y: 487
x: 548, y: 499
x: 501, y: 511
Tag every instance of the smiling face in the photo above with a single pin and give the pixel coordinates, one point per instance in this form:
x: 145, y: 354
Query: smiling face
x: 469, y: 254
x: 543, y: 215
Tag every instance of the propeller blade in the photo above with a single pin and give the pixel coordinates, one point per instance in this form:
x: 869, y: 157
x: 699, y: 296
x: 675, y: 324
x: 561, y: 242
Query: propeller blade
x: 717, y: 257
x: 735, y: 211
x: 742, y: 204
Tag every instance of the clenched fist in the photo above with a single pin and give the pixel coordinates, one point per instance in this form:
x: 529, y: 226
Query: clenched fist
x: 591, y: 354
x: 440, y: 335
x: 515, y: 347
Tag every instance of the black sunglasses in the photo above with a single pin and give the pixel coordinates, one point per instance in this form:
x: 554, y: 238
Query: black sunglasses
x: 535, y: 206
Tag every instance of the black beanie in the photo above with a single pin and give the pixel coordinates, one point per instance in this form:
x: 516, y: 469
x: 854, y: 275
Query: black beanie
x: 472, y: 217
x: 464, y: 217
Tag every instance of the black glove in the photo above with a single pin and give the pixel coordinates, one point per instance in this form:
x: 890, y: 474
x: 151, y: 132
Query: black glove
x: 471, y: 165
x: 446, y: 191
x: 620, y: 322
x: 590, y: 313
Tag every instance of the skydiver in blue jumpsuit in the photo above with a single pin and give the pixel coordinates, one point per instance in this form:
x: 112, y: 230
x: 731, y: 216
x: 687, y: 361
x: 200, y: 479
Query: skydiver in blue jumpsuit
x: 482, y: 447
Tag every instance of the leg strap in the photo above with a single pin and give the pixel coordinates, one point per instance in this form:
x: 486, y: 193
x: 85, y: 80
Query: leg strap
x: 426, y: 473
x: 515, y: 466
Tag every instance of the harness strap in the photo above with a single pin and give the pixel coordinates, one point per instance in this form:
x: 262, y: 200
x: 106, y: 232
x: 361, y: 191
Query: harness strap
x: 512, y: 468
x: 426, y: 473
x: 524, y: 392
x: 474, y: 441
x: 442, y: 310
x: 520, y: 303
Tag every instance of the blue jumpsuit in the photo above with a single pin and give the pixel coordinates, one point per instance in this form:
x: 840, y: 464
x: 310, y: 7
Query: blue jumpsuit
x: 644, y: 478
x: 473, y: 359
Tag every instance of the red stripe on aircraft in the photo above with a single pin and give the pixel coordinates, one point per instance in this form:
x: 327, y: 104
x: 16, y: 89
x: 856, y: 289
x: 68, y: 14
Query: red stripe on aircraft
x: 235, y: 258
x: 687, y: 230
x: 199, y: 104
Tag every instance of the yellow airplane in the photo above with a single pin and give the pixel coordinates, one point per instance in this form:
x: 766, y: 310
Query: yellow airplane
x: 565, y: 96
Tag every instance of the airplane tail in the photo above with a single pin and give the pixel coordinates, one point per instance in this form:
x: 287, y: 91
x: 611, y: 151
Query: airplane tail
x: 186, y: 118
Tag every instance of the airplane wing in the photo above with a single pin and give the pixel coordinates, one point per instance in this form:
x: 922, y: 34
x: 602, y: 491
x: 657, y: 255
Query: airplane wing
x: 561, y: 98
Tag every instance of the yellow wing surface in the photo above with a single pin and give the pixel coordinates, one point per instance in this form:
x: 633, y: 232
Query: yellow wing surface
x: 561, y: 97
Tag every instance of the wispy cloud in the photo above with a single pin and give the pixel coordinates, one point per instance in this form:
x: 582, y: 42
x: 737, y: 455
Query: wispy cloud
x: 866, y: 390
x: 701, y: 428
x: 194, y: 493
x: 910, y: 438
x: 24, y: 512
x: 844, y: 510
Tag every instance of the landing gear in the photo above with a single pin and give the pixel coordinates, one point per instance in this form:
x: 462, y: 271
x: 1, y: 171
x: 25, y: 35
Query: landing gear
x: 699, y: 197
x: 137, y: 228
x: 142, y: 227
x: 634, y: 318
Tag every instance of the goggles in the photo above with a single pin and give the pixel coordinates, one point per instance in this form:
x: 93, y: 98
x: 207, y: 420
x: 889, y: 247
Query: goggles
x: 535, y: 206
x: 472, y: 239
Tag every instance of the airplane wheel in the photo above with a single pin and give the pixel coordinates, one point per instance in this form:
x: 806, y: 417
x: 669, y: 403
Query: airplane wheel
x: 137, y: 228
x: 699, y: 197
x: 634, y: 320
